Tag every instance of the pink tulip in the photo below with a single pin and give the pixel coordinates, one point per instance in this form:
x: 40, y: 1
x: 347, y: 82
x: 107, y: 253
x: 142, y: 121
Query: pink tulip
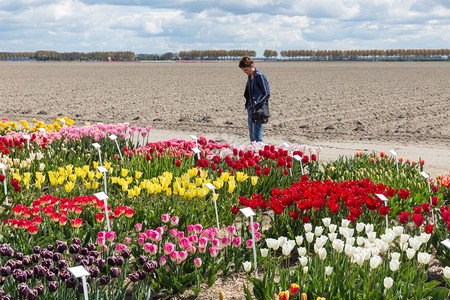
x: 198, y: 228
x: 138, y: 227
x: 162, y: 260
x: 173, y: 233
x: 249, y: 243
x: 169, y: 248
x: 148, y: 128
x: 236, y: 241
x: 174, y: 221
x: 190, y: 229
x: 100, y: 241
x: 257, y: 236
x: 193, y: 238
x: 215, y: 242
x: 127, y: 240
x: 110, y: 236
x: 231, y: 230
x: 165, y: 218
x: 201, y: 249
x: 198, y: 262
x: 202, y: 242
x: 213, y: 251
x: 226, y: 241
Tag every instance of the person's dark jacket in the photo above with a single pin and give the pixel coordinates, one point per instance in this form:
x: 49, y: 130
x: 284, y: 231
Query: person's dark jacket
x: 260, y: 90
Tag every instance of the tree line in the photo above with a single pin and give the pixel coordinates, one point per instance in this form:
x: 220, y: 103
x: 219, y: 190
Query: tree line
x: 309, y: 55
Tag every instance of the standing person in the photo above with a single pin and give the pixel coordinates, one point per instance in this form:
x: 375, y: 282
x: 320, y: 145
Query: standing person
x: 256, y: 94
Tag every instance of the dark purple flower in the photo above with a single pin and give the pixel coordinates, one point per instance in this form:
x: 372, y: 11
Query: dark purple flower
x: 61, y: 246
x: 35, y: 257
x: 19, y: 255
x: 94, y: 271
x: 56, y: 256
x: 40, y: 289
x: 11, y: 264
x: 91, y: 260
x: 65, y: 274
x: 94, y: 254
x: 39, y: 271
x: 74, y: 248
x: 104, y: 280
x: 9, y: 252
x: 101, y: 263
x: 54, y: 270
x: 26, y: 260
x: 19, y: 275
x: 23, y: 289
x: 32, y: 294
x: 111, y: 261
x: 8, y: 297
x: 50, y: 276
x: 50, y: 247
x: 114, y: 272
x: 5, y: 271
x: 119, y: 260
x: 29, y: 273
x: 142, y: 274
x: 126, y: 253
x: 53, y: 286
x: 134, y: 277
x: 62, y: 264
x: 36, y: 249
x: 142, y: 259
x: 78, y: 257
x: 84, y: 251
x: 70, y: 282
x: 76, y: 240
x: 150, y: 266
x: 2, y: 280
x: 18, y: 264
x: 84, y: 262
x: 47, y: 262
x: 90, y: 246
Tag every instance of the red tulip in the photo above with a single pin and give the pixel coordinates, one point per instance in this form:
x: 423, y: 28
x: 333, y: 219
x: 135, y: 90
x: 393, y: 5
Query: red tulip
x: 2, y: 177
x: 234, y: 209
x: 429, y: 228
x: 404, y: 217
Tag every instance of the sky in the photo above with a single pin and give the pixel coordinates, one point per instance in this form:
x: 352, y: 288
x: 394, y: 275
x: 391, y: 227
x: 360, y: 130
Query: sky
x: 159, y: 26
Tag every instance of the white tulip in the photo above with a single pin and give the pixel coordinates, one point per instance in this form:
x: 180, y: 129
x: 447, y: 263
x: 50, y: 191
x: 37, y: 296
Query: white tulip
x: 264, y: 252
x: 410, y: 252
x: 332, y: 228
x: 350, y: 241
x: 398, y: 230
x: 415, y: 243
x: 375, y: 261
x: 388, y: 282
x: 367, y: 253
x: 404, y: 238
x: 358, y: 258
x: 322, y: 253
x: 388, y: 236
x: 328, y: 270
x: 360, y: 240
x: 299, y: 240
x: 303, y: 260
x: 318, y: 230
x: 446, y: 272
x: 338, y: 245
x: 247, y: 266
x: 360, y: 227
x: 276, y: 245
x: 305, y: 270
x: 394, y: 265
x: 371, y: 236
x: 423, y: 258
x: 309, y: 237
x: 321, y: 241
x: 270, y: 243
x: 326, y: 222
x: 307, y: 227
x: 425, y: 237
x: 369, y: 228
x: 349, y: 250
x: 374, y: 251
x: 404, y: 246
x: 332, y: 236
x: 301, y: 251
x: 395, y: 256
x: 345, y: 223
x: 282, y: 240
x: 287, y: 247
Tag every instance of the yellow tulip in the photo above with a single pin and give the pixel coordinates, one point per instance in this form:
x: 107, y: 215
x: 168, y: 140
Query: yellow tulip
x: 69, y: 186
x: 61, y: 180
x: 168, y: 192
x: 231, y: 186
x: 124, y: 187
x: 198, y: 181
x: 107, y: 164
x: 95, y: 164
x: 95, y: 184
x: 225, y: 176
x: 124, y: 172
x: 98, y: 174
x: 138, y: 174
x: 204, y: 174
x: 192, y: 172
x: 241, y: 176
x: 86, y: 168
x: 254, y: 180
x: 87, y: 185
x: 129, y: 180
x: 73, y: 177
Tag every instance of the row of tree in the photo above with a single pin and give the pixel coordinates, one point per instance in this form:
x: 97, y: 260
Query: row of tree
x: 312, y: 55
x: 69, y: 56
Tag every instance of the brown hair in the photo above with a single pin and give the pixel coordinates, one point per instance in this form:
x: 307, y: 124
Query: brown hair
x: 245, y: 62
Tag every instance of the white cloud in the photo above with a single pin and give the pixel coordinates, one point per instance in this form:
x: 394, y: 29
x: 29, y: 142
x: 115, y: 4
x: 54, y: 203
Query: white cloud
x: 156, y: 26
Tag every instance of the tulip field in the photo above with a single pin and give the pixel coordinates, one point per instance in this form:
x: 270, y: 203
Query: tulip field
x: 159, y: 220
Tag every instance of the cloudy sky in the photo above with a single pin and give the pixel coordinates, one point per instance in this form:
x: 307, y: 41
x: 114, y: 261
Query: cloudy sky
x: 159, y: 26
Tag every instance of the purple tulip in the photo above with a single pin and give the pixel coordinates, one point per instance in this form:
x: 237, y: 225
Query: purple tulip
x: 119, y: 260
x: 29, y: 274
x: 104, y: 280
x: 11, y: 264
x: 47, y: 254
x: 65, y: 274
x: 70, y: 282
x: 19, y: 275
x: 74, y: 249
x: 111, y: 261
x: 126, y: 253
x: 36, y: 249
x: 62, y: 264
x: 90, y: 247
x: 94, y: 272
x: 26, y: 261
x: 39, y: 289
x: 142, y: 259
x: 53, y: 286
x: 84, y: 251
x: 78, y: 257
x: 19, y: 255
x: 47, y: 262
x: 2, y: 280
x: 56, y: 256
x: 61, y: 246
x: 80, y: 287
x: 76, y: 241
x: 134, y: 277
x: 114, y: 272
x: 94, y: 254
x: 50, y: 247
x: 150, y: 266
x: 5, y: 271
x: 32, y: 294
x: 142, y: 274
x: 9, y: 252
x: 35, y: 257
x: 18, y: 264
x: 23, y: 289
x: 50, y: 276
x: 39, y: 271
x: 101, y: 263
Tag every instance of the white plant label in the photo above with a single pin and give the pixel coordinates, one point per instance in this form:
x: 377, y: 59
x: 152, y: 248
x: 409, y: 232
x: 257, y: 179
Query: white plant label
x: 297, y: 157
x: 247, y: 212
x: 2, y: 166
x: 78, y: 271
x: 285, y: 144
x: 42, y: 130
x: 27, y: 137
x: 101, y: 196
x: 210, y: 186
x: 446, y: 243
x: 393, y: 152
x: 194, y: 137
x: 196, y: 150
x: 96, y: 145
x: 62, y: 121
x: 113, y: 137
x: 424, y: 175
x: 381, y: 197
x: 102, y: 169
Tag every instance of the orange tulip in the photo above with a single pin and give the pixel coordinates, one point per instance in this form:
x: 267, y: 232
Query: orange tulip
x: 294, y: 289
x: 284, y: 295
x: 303, y: 296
